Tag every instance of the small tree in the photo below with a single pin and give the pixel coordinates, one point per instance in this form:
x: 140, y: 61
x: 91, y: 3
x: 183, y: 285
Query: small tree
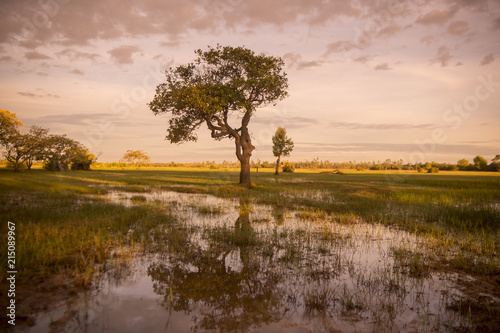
x: 462, y: 164
x: 222, y: 82
x: 480, y: 163
x: 136, y: 157
x: 282, y: 146
x: 82, y: 159
x: 25, y: 147
x: 60, y: 152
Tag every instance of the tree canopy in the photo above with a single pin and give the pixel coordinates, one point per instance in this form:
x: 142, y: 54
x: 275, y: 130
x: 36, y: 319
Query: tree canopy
x: 25, y: 147
x: 220, y: 83
x: 9, y: 125
x: 480, y: 163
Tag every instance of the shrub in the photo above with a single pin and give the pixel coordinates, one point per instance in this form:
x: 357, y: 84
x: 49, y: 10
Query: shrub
x: 421, y: 170
x: 433, y: 170
x: 288, y: 167
x: 55, y: 166
x: 80, y: 166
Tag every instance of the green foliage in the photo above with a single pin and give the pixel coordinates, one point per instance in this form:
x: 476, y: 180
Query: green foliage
x: 480, y: 163
x: 82, y: 159
x: 433, y: 170
x: 288, y: 167
x: 25, y: 148
x: 9, y: 125
x: 62, y: 151
x: 282, y: 145
x: 220, y: 80
x: 463, y: 164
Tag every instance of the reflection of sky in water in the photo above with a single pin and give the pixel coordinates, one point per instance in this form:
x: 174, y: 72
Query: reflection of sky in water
x: 350, y: 263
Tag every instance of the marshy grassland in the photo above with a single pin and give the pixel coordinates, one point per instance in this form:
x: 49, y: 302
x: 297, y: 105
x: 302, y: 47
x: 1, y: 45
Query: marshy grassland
x: 67, y: 229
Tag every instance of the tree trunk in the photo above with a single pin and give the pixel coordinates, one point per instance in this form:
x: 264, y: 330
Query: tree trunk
x: 17, y: 165
x: 244, y: 150
x: 245, y: 172
x: 278, y: 165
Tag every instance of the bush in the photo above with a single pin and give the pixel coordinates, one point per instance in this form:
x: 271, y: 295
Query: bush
x: 377, y: 167
x: 433, y: 170
x: 421, y: 170
x: 80, y: 166
x: 288, y: 168
x: 360, y: 169
x: 55, y: 166
x: 494, y: 166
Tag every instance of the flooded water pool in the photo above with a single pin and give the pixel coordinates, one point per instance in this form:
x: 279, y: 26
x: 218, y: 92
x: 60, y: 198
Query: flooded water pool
x: 234, y: 266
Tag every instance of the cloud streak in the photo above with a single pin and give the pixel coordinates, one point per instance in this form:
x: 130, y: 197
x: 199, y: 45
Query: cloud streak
x: 34, y: 55
x: 443, y: 56
x: 295, y: 61
x: 382, y: 67
x: 349, y: 125
x: 436, y: 17
x: 39, y: 93
x: 488, y: 59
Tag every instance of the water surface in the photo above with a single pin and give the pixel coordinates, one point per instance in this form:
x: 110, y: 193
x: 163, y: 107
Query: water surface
x: 234, y: 266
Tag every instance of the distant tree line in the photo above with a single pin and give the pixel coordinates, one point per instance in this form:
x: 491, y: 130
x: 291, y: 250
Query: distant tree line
x: 23, y: 147
x: 479, y: 163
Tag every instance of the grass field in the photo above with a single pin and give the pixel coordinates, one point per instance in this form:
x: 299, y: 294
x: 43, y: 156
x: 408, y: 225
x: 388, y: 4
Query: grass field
x: 64, y: 229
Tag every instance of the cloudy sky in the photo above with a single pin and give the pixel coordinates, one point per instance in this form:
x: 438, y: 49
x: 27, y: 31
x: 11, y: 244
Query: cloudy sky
x: 417, y: 80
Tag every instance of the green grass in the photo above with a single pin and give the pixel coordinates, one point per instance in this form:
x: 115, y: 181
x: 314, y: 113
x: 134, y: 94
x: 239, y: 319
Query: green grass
x: 61, y: 227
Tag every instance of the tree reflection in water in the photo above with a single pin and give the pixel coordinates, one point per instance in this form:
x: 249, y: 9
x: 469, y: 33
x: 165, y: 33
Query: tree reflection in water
x: 231, y: 293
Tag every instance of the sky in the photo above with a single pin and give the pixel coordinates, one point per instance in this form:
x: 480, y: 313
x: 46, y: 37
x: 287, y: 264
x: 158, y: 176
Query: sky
x: 417, y: 80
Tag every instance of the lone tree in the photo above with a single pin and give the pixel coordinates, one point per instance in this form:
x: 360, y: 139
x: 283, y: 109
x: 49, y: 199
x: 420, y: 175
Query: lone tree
x: 136, y: 157
x: 223, y: 85
x: 282, y: 146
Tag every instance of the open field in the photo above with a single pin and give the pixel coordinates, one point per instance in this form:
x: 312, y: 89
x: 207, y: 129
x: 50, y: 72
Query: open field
x: 68, y: 229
